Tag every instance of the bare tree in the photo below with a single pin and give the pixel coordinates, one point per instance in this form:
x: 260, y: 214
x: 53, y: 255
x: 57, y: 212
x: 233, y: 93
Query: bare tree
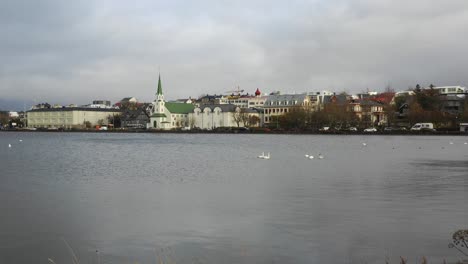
x: 237, y: 116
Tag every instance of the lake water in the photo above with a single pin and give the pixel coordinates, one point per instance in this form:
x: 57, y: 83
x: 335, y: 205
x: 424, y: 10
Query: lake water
x: 137, y: 198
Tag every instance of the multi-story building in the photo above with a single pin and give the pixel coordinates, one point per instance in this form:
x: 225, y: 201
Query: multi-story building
x: 245, y: 100
x: 280, y: 104
x: 69, y: 117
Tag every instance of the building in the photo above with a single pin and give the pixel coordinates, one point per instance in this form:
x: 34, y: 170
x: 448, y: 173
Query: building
x: 135, y: 118
x: 278, y: 104
x: 168, y: 115
x: 69, y: 117
x: 245, y: 100
x: 450, y: 89
x: 214, y: 116
x: 369, y: 110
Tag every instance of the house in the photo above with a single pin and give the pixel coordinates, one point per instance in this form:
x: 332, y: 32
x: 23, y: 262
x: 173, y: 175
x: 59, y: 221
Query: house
x: 168, y: 115
x: 135, y: 118
x: 126, y: 101
x: 369, y: 110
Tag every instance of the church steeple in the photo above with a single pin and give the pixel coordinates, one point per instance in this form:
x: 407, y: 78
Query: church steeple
x: 159, y: 92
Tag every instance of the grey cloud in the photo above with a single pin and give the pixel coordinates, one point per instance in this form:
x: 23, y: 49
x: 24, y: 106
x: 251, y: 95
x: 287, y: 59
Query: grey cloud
x: 75, y: 52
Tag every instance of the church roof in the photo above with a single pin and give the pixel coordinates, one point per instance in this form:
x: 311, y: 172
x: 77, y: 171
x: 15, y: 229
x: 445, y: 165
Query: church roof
x: 158, y: 115
x: 179, y: 108
x: 159, y: 86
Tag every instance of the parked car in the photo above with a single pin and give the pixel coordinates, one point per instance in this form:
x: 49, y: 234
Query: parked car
x: 370, y: 130
x: 423, y: 127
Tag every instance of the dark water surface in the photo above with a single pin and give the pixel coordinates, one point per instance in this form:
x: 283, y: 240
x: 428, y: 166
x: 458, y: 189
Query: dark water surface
x: 208, y: 199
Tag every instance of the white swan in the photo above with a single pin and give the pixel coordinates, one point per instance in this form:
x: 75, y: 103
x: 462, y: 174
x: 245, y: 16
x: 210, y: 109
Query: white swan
x: 262, y: 156
x: 311, y: 157
x: 364, y: 144
x: 267, y: 156
x: 9, y: 145
x: 306, y: 155
x: 451, y: 143
x: 20, y: 140
x: 466, y: 143
x: 320, y: 156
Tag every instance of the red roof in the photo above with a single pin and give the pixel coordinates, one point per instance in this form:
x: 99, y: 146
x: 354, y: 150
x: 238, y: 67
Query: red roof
x: 384, y: 98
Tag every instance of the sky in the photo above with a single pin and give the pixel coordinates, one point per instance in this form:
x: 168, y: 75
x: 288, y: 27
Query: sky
x: 77, y: 51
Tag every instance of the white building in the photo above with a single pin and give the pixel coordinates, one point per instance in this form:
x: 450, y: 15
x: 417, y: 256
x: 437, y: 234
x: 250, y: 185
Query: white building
x: 450, y: 89
x: 213, y: 116
x: 245, y: 101
x: 68, y: 117
x: 168, y: 115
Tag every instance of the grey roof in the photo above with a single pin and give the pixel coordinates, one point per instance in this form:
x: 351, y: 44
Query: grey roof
x: 224, y: 107
x: 89, y: 109
x: 290, y: 98
x: 340, y: 98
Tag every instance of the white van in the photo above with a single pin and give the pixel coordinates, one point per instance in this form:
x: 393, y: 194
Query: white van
x: 422, y: 126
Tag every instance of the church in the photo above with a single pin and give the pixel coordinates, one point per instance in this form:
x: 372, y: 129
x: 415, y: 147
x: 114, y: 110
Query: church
x: 168, y: 115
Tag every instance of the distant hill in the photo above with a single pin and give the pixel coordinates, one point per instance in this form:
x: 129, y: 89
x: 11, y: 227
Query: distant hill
x: 15, y: 105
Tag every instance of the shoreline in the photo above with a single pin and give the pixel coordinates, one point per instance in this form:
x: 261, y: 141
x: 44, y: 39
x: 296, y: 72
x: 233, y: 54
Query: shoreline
x: 258, y: 132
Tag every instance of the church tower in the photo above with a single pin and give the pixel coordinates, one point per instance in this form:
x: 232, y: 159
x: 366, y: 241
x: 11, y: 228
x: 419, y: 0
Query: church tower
x: 159, y: 102
x: 158, y: 118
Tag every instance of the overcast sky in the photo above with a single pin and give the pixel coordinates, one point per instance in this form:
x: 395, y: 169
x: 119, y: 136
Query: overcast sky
x: 76, y: 51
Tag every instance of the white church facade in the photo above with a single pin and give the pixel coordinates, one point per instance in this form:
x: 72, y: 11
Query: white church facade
x: 168, y: 115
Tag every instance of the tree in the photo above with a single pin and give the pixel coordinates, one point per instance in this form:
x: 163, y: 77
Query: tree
x: 294, y: 118
x: 115, y: 120
x: 254, y: 120
x: 237, y: 116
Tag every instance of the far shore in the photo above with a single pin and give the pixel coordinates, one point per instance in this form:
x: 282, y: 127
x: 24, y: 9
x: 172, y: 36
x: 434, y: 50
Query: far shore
x: 255, y: 131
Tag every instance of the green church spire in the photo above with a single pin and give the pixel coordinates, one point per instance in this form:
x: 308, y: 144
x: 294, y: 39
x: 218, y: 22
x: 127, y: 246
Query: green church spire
x: 160, y: 92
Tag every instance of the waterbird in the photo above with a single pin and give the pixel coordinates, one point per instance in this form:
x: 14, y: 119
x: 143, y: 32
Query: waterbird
x: 466, y: 143
x: 306, y: 155
x: 320, y: 156
x: 9, y: 145
x: 311, y: 157
x: 20, y: 140
x: 267, y: 156
x: 262, y: 156
x: 364, y: 144
x: 451, y: 143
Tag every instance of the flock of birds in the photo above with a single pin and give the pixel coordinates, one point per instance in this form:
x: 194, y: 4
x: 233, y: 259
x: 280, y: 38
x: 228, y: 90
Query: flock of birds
x: 9, y: 145
x: 320, y: 156
x: 267, y: 156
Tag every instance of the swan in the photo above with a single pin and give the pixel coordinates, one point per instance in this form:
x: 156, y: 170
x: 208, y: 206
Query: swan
x: 20, y: 140
x: 311, y: 157
x: 320, y: 156
x: 267, y: 156
x: 262, y: 156
x: 306, y: 155
x: 364, y: 144
x: 451, y: 143
x: 466, y: 143
x: 9, y: 145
